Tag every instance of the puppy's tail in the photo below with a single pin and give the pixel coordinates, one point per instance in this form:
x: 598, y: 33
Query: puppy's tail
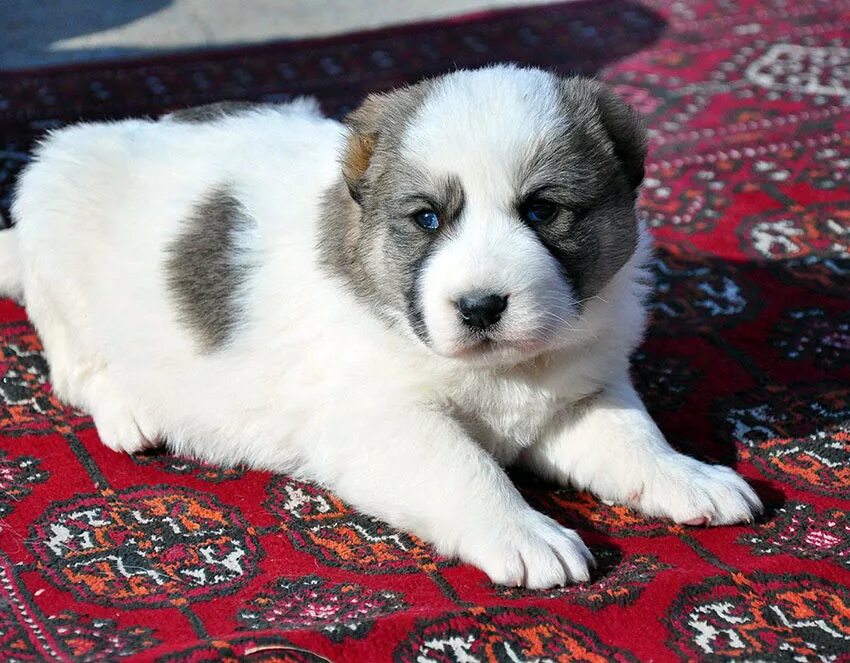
x: 10, y: 265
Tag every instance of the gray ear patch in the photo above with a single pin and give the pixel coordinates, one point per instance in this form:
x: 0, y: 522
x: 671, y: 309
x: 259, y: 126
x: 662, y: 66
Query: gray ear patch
x: 208, y: 266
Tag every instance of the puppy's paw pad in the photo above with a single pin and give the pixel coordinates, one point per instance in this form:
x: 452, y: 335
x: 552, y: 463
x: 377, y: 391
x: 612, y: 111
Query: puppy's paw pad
x: 690, y: 492
x: 534, y: 552
x: 698, y: 522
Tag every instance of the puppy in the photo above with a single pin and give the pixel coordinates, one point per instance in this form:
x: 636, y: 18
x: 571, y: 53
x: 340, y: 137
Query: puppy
x: 397, y: 306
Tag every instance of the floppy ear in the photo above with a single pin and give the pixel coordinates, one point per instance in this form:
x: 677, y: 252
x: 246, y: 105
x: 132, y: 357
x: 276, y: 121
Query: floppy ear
x: 627, y: 131
x: 364, y: 125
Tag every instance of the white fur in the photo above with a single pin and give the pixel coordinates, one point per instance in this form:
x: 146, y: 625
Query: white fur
x: 10, y: 266
x: 314, y: 384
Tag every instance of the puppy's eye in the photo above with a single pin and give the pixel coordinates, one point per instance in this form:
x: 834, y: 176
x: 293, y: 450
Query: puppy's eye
x: 427, y: 219
x: 537, y: 210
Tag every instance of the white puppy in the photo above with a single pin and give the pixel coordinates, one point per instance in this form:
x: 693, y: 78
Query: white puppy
x: 397, y: 307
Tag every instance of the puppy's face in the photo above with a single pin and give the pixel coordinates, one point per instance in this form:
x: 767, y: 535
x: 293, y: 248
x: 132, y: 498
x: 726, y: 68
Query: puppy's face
x: 493, y: 204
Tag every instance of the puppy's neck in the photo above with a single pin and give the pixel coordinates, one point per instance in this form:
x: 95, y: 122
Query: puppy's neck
x: 339, y: 231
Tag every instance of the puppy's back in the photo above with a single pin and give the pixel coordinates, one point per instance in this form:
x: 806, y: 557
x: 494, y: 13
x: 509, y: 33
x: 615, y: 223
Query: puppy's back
x: 146, y: 246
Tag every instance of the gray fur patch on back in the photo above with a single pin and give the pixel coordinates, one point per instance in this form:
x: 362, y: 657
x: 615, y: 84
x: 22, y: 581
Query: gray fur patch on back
x: 212, y: 112
x: 207, y: 268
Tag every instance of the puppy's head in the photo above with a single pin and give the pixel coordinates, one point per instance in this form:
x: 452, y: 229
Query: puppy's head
x: 491, y: 204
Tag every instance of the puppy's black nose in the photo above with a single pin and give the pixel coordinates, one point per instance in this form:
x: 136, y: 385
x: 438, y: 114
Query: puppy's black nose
x: 481, y: 310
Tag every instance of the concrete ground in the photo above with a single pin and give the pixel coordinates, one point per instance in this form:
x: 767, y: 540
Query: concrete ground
x: 37, y: 33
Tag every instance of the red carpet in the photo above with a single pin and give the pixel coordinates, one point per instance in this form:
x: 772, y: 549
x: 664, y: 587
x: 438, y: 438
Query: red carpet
x: 748, y: 363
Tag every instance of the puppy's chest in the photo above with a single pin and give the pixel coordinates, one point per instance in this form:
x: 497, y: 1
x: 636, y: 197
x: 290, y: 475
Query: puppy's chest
x: 504, y: 416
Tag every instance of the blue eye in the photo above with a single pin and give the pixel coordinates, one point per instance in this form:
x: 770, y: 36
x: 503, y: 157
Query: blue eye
x: 538, y: 211
x: 427, y: 219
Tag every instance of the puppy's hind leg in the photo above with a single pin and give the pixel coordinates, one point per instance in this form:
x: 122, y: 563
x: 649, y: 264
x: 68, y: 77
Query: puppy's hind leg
x: 82, y: 380
x: 117, y: 425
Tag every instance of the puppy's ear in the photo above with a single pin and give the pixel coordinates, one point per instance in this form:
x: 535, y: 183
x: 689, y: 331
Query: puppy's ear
x: 627, y: 131
x: 364, y: 126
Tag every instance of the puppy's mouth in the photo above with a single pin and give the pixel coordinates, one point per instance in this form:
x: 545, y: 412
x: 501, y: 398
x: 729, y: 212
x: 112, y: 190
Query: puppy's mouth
x: 477, y: 348
x: 485, y: 346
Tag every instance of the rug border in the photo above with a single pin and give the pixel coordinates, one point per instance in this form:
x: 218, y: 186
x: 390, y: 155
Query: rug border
x: 221, y: 52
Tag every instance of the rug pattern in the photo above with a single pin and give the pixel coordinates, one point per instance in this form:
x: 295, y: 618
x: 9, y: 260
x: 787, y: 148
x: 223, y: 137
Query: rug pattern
x: 747, y: 363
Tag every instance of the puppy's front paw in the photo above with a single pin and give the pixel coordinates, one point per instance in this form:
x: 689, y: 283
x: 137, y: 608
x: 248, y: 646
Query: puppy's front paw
x: 532, y: 551
x: 690, y: 492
